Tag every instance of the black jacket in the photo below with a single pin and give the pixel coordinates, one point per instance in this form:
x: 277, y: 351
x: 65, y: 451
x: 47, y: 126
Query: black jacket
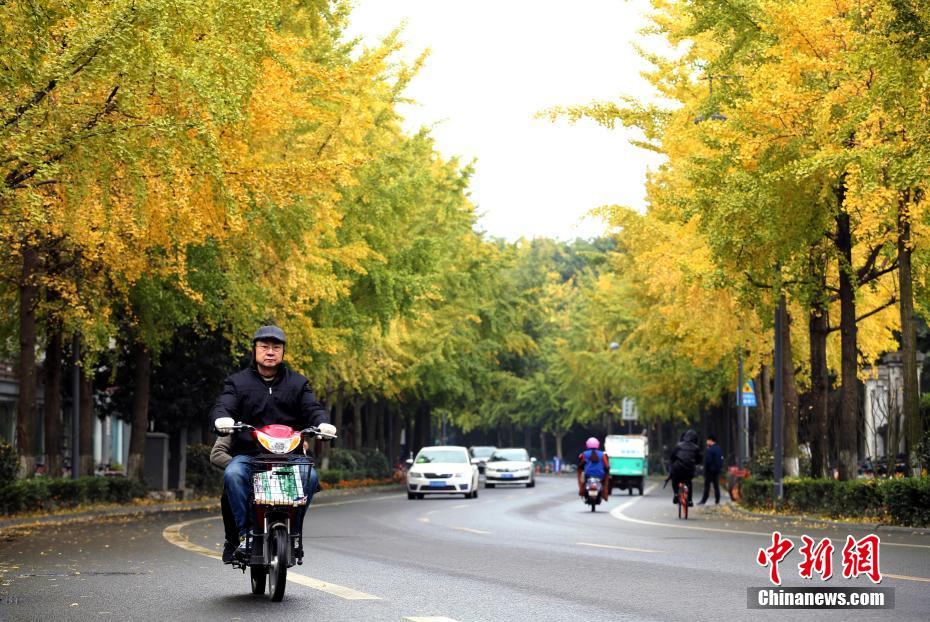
x: 287, y: 400
x: 713, y: 459
x: 685, y: 456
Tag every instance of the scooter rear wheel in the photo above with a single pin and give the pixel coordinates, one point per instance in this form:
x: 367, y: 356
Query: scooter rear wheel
x: 259, y: 574
x: 277, y: 570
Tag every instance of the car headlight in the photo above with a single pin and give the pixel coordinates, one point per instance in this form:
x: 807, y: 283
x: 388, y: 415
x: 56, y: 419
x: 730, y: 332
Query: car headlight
x: 412, y: 475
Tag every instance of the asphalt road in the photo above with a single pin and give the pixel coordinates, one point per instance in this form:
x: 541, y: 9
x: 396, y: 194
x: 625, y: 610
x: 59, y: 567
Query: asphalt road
x: 511, y: 555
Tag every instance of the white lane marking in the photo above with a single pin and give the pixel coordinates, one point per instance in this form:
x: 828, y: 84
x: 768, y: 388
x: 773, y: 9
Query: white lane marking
x: 423, y: 519
x: 619, y: 548
x: 172, y: 533
x: 459, y: 507
x: 470, y: 530
x: 431, y: 619
x: 617, y: 513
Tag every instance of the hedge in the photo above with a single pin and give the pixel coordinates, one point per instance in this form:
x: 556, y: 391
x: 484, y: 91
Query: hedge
x: 902, y: 501
x: 42, y: 494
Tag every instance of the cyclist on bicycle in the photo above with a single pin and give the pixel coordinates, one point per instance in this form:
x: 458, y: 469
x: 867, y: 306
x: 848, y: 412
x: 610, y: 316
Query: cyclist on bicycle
x: 593, y: 462
x: 683, y: 460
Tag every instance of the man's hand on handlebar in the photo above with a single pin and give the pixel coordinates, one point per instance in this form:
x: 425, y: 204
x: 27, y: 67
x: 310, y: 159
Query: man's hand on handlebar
x: 326, y: 431
x: 224, y: 426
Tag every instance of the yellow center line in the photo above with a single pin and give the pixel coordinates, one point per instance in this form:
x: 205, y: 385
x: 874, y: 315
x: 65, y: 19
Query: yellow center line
x: 172, y: 533
x: 903, y: 577
x: 619, y: 548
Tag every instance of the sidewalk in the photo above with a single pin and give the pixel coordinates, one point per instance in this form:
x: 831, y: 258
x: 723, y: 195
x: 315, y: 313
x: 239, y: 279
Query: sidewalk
x: 112, y: 510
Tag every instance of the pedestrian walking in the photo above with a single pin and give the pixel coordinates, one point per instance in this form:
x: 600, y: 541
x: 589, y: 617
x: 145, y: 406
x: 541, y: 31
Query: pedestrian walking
x: 713, y: 465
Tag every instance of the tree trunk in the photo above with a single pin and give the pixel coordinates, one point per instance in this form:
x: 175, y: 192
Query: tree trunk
x: 380, y: 420
x: 87, y: 422
x: 26, y: 403
x: 341, y: 429
x: 911, y: 405
x: 142, y: 377
x: 357, y: 404
x: 372, y: 422
x: 819, y: 327
x: 558, y: 445
x: 849, y: 408
x: 394, y: 449
x: 53, y: 355
x: 765, y: 409
x: 423, y: 428
x: 543, y: 451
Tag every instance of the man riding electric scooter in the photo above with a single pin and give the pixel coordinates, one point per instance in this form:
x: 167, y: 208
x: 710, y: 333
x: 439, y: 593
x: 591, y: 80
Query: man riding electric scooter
x: 266, y: 392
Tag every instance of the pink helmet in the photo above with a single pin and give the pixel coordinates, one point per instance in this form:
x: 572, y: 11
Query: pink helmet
x: 592, y: 443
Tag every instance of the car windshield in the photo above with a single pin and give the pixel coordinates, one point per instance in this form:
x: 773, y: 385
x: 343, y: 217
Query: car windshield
x: 482, y: 452
x: 509, y: 455
x: 441, y: 455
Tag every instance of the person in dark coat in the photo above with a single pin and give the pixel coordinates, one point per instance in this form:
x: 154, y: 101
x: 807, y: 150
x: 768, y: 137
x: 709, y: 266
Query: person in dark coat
x: 264, y: 393
x: 713, y: 464
x: 683, y: 461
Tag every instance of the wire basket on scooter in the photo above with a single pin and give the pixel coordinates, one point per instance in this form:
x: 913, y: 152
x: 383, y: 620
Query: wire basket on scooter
x: 279, y: 485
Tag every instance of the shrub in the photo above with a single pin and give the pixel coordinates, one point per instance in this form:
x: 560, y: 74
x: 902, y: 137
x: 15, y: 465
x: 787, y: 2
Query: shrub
x: 762, y: 464
x: 202, y: 476
x: 345, y: 459
x: 376, y: 464
x: 332, y: 476
x: 9, y: 462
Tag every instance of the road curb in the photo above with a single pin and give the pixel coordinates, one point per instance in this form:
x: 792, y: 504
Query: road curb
x: 176, y: 506
x: 916, y: 531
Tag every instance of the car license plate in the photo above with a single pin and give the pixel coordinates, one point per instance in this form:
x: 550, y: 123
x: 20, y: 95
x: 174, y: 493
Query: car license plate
x: 507, y: 475
x: 437, y: 484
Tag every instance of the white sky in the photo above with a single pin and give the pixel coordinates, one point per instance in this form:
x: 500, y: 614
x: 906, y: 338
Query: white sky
x: 493, y: 65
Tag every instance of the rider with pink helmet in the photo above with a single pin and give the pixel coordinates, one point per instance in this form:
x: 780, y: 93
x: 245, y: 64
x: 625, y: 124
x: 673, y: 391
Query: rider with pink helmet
x: 593, y: 462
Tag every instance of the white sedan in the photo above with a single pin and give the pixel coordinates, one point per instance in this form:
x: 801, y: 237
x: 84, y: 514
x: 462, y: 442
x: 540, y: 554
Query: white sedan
x: 509, y: 466
x: 445, y: 469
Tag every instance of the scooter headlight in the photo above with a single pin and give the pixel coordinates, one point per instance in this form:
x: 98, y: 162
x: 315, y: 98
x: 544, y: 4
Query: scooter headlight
x: 278, y: 445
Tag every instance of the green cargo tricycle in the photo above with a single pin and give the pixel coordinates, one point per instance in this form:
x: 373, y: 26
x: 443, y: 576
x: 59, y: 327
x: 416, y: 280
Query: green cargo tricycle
x: 628, y: 461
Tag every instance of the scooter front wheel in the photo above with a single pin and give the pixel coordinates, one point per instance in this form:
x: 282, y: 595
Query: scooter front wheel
x: 277, y: 569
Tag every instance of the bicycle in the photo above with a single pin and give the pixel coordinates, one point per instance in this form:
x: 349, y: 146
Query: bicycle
x: 683, y: 500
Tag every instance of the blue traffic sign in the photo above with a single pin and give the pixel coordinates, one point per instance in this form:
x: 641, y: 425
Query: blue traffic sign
x: 749, y: 394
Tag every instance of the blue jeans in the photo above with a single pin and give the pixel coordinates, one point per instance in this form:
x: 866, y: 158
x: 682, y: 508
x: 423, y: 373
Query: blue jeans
x: 238, y: 482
